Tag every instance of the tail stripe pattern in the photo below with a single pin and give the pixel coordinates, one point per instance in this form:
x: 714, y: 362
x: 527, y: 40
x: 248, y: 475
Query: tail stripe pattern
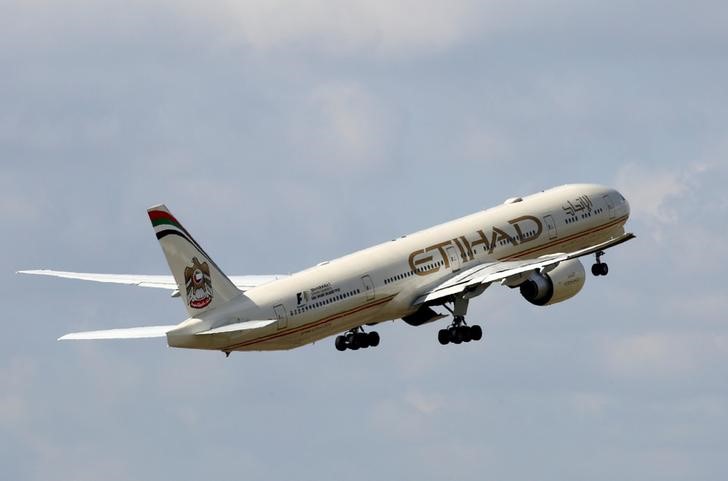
x: 162, y: 221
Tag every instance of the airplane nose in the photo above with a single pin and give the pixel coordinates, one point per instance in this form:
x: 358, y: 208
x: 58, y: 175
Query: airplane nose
x: 624, y: 203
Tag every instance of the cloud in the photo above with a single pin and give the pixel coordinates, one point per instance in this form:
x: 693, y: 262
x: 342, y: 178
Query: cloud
x: 17, y: 376
x: 664, y: 354
x: 374, y: 26
x: 343, y: 129
x: 649, y: 191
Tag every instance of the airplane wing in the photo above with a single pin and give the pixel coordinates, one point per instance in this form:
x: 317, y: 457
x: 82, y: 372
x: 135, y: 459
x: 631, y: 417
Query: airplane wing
x: 157, y: 281
x: 161, y: 331
x: 129, y: 333
x: 477, y: 278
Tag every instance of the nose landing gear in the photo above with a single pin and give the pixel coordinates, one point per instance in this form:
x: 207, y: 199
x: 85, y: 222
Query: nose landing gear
x: 600, y: 268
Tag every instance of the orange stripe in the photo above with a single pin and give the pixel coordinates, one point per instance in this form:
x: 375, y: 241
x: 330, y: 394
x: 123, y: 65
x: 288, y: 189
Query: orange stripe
x: 311, y: 324
x: 566, y: 239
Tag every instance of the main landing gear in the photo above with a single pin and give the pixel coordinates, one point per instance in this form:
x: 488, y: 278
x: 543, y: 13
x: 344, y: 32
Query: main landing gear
x: 600, y: 268
x: 356, y: 339
x: 459, y: 331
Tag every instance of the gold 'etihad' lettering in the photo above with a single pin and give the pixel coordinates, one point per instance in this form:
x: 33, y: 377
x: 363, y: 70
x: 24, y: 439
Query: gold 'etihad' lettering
x: 422, y: 262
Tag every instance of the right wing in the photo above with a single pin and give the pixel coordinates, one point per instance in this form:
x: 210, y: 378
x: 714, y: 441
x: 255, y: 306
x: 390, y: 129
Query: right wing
x: 157, y: 281
x: 478, y: 278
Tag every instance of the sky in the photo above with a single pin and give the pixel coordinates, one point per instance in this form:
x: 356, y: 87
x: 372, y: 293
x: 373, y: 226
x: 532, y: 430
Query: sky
x: 283, y: 134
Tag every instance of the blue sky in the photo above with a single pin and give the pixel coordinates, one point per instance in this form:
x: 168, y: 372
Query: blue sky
x: 286, y: 134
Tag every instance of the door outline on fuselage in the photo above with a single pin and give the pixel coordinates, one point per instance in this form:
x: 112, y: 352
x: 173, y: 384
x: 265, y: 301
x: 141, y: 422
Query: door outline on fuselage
x: 454, y: 258
x: 368, y: 287
x: 281, y: 315
x: 551, y: 226
x: 610, y: 205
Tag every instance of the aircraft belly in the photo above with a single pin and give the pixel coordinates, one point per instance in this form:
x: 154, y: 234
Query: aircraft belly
x: 300, y: 335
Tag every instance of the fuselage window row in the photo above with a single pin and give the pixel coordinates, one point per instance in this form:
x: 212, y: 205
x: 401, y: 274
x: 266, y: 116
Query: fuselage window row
x: 316, y: 305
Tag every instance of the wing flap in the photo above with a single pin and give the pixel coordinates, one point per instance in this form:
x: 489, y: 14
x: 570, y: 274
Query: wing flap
x: 128, y: 333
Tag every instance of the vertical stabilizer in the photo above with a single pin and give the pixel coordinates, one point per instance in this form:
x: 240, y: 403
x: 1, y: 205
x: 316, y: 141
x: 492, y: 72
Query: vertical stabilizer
x: 202, y: 284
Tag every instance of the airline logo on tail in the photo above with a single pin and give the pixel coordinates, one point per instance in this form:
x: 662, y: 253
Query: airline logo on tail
x: 198, y: 284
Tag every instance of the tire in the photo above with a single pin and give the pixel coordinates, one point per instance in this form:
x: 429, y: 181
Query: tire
x: 454, y: 335
x: 596, y: 270
x: 362, y: 340
x: 476, y: 332
x: 373, y: 338
x: 604, y: 270
x: 443, y: 337
x: 465, y: 334
x: 340, y: 343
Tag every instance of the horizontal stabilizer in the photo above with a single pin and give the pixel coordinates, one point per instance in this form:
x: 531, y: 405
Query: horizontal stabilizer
x: 129, y: 333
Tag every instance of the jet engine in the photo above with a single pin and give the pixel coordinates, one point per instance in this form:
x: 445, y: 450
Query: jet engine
x: 561, y: 283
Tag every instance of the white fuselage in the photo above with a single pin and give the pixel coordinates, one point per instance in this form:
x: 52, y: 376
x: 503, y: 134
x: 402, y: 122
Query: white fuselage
x: 382, y: 282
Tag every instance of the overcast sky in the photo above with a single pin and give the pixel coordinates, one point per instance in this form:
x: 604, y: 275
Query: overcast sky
x: 286, y: 133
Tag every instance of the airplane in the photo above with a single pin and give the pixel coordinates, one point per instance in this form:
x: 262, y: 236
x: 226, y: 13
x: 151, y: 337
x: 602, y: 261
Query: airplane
x: 532, y: 243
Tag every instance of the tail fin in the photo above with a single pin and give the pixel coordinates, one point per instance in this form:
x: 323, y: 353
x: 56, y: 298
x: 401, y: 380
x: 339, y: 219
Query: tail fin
x: 202, y: 284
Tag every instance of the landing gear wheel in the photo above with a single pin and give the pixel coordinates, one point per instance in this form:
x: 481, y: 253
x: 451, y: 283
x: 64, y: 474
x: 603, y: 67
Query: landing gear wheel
x: 476, y: 332
x: 465, y: 333
x: 356, y: 339
x: 454, y: 334
x: 600, y: 268
x: 443, y: 336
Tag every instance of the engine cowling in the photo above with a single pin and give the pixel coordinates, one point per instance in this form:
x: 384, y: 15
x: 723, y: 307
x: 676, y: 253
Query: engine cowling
x: 561, y: 283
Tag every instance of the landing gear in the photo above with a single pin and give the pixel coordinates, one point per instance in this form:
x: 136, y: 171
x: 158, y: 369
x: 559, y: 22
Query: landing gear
x: 459, y: 332
x: 600, y: 268
x: 356, y: 339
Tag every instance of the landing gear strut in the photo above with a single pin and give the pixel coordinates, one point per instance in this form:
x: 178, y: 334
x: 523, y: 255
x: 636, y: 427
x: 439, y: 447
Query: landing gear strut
x: 356, y: 339
x: 459, y: 331
x: 600, y: 268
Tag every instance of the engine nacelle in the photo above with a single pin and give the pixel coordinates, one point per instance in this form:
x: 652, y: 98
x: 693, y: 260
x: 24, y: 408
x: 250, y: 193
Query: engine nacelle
x: 561, y: 283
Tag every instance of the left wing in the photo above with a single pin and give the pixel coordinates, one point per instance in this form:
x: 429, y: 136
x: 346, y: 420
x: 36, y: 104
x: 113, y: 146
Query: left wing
x: 476, y: 279
x: 128, y: 333
x: 157, y: 281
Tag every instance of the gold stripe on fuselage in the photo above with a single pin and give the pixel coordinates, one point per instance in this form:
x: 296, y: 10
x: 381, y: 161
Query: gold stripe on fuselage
x: 310, y: 325
x: 568, y: 238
